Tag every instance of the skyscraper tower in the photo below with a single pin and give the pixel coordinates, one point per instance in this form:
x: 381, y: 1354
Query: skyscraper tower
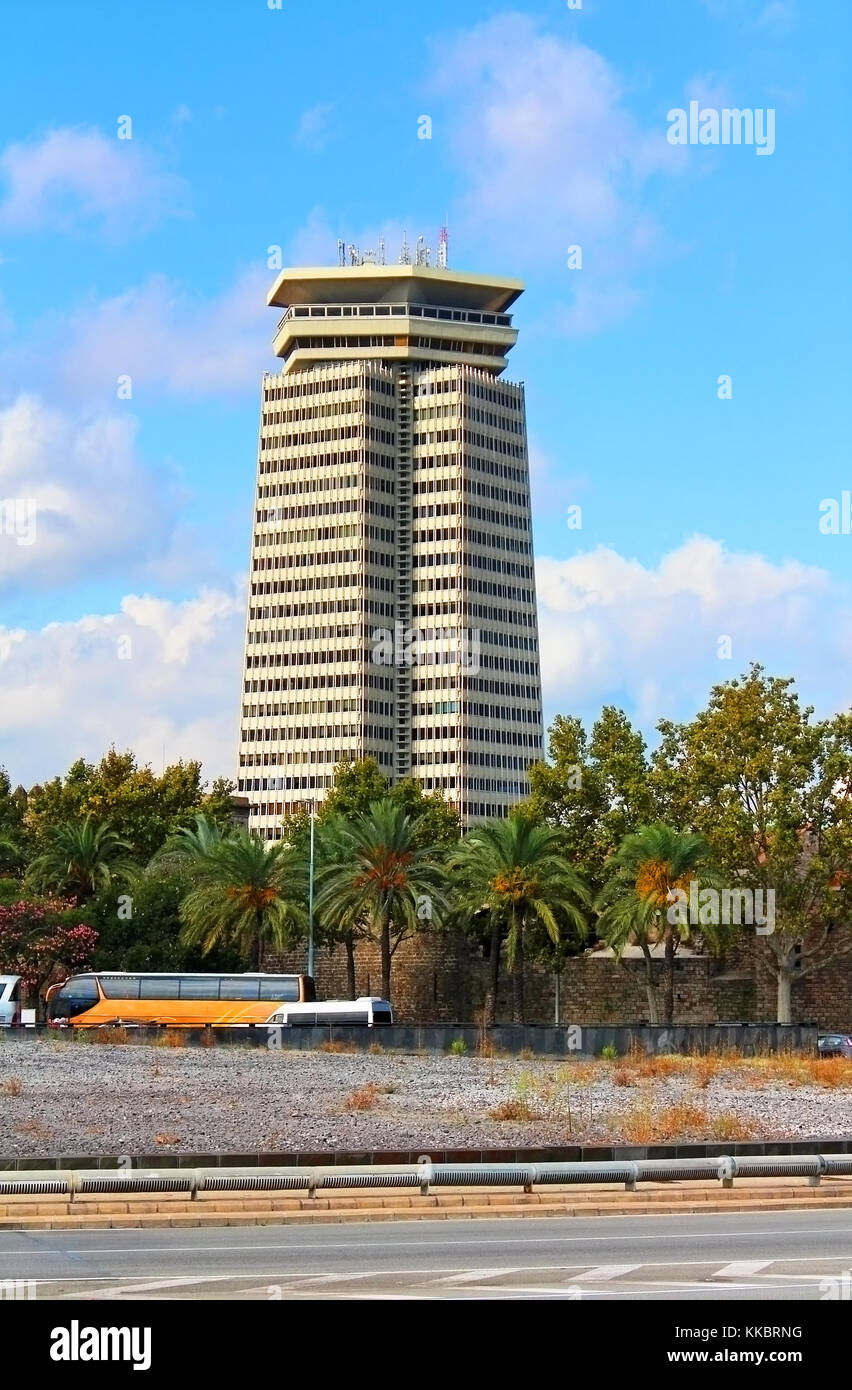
x: 391, y: 609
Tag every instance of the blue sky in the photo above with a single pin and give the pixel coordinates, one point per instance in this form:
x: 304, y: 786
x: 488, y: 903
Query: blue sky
x: 254, y: 127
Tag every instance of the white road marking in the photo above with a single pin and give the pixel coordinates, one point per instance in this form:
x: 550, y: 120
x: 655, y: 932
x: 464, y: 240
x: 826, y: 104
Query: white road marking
x: 741, y: 1269
x: 601, y: 1272
x: 475, y: 1276
x: 170, y: 1250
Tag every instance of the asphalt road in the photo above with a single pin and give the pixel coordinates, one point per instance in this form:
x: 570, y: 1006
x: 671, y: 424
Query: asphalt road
x: 798, y: 1255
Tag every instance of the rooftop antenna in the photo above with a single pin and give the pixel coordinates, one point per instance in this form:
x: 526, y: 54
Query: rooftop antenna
x: 405, y: 254
x: 354, y: 258
x: 422, y: 253
x: 341, y: 252
x: 443, y: 247
x: 381, y: 250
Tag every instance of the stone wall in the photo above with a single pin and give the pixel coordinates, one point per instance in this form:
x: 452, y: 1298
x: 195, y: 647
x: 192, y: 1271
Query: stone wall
x: 443, y: 977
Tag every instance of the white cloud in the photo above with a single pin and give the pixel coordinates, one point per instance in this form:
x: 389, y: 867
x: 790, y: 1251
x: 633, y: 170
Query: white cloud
x: 540, y: 128
x: 76, y: 496
x: 166, y: 339
x: 74, y: 177
x: 313, y: 131
x: 613, y: 629
x: 156, y: 676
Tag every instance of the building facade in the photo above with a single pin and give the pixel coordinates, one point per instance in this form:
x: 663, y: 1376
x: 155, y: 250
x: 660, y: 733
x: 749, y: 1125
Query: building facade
x: 392, y: 607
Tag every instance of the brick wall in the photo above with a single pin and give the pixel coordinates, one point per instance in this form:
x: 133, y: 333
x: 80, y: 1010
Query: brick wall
x: 442, y: 978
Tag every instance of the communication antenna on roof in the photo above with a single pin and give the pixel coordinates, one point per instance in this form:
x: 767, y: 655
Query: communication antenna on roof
x: 423, y: 252
x: 341, y: 252
x: 381, y: 250
x: 405, y: 253
x: 443, y: 247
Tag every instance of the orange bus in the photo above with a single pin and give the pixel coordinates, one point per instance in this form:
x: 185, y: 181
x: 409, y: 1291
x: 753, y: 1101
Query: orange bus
x: 190, y: 1000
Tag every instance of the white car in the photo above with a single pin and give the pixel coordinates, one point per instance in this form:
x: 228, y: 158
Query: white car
x: 10, y: 1001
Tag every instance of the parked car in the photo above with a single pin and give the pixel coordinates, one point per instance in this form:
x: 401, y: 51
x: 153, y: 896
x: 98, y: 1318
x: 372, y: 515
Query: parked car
x: 835, y: 1045
x: 10, y: 1001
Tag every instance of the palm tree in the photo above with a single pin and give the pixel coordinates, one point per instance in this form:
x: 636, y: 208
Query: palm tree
x: 386, y: 883
x: 189, y: 843
x: 635, y: 904
x: 81, y: 857
x: 517, y: 870
x: 11, y: 853
x: 245, y: 893
x: 343, y: 921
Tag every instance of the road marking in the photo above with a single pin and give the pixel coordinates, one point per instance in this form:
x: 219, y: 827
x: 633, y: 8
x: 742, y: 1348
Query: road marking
x: 475, y: 1276
x: 741, y: 1269
x: 362, y: 1245
x: 601, y: 1272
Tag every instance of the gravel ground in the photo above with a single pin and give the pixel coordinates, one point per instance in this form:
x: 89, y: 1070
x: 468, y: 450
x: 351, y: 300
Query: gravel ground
x: 89, y: 1099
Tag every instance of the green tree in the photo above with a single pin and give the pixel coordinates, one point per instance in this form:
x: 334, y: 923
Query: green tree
x: 389, y: 884
x: 141, y: 930
x: 771, y: 789
x: 519, y: 873
x: 143, y: 808
x: 79, y: 858
x: 247, y: 894
x: 596, y: 790
x: 637, y: 904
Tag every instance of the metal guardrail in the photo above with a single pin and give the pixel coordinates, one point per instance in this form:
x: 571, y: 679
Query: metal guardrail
x: 424, y: 1175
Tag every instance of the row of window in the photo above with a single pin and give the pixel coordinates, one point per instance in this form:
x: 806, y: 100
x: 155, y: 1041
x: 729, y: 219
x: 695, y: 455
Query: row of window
x: 341, y: 605
x: 298, y: 439
x: 327, y: 681
x: 337, y: 459
x: 317, y: 707
x: 278, y: 387
x: 330, y: 557
x: 322, y: 410
x: 308, y: 534
x: 236, y: 987
x: 501, y: 518
x: 518, y: 618
x: 323, y: 581
x: 314, y: 509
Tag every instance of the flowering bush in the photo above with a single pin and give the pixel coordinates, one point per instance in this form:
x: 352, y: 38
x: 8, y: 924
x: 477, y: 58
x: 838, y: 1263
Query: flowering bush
x: 35, y: 943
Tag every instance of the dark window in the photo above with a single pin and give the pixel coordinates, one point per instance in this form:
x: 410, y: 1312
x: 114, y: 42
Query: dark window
x: 300, y: 1018
x: 76, y: 996
x: 159, y: 987
x: 380, y: 1014
x: 284, y: 987
x: 200, y: 987
x: 350, y: 1016
x: 239, y: 987
x: 127, y: 987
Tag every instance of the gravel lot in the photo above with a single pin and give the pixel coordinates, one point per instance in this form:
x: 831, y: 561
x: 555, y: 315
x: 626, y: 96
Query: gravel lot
x: 88, y: 1099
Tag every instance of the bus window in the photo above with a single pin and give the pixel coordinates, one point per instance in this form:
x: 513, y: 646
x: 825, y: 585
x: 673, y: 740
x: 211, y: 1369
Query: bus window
x: 284, y: 988
x: 239, y: 987
x: 76, y: 996
x: 199, y: 987
x: 159, y: 987
x: 125, y: 987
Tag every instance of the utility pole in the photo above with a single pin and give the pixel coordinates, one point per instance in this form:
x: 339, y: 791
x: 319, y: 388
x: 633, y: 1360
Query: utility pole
x: 311, y: 898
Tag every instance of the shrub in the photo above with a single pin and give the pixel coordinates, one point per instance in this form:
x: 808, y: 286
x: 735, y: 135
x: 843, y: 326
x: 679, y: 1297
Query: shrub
x: 111, y: 1033
x: 609, y: 1052
x: 172, y: 1037
x: 518, y: 1109
x: 363, y: 1097
x: 333, y: 1046
x: 207, y: 1037
x: 458, y: 1047
x: 163, y: 1138
x: 12, y: 1087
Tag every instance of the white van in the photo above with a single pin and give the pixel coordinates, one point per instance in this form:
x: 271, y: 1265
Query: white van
x: 10, y: 1001
x: 367, y: 1011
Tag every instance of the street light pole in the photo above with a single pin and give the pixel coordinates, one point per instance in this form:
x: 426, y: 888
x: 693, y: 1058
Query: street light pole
x: 311, y: 901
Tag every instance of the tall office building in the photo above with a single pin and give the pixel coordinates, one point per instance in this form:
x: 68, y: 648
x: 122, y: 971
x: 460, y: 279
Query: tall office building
x: 392, y: 609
